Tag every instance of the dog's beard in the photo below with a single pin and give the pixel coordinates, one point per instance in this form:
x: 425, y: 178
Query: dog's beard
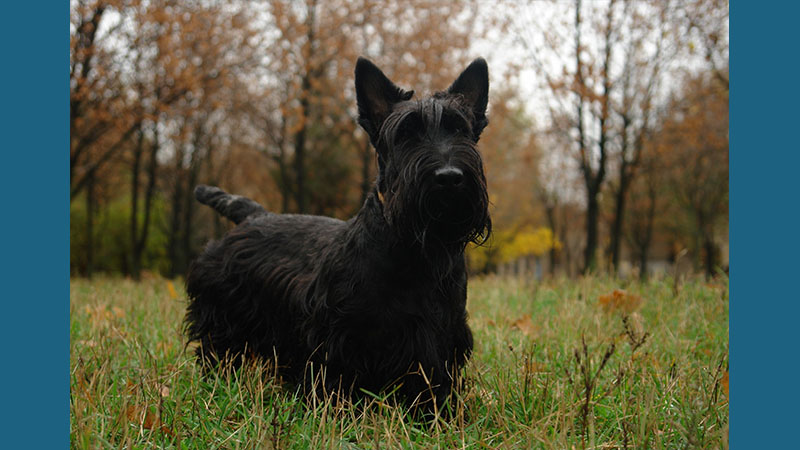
x: 454, y: 216
x: 436, y: 217
x: 431, y: 215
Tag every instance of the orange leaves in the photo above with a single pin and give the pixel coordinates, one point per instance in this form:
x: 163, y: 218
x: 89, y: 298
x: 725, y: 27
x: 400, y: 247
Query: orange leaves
x: 725, y: 381
x: 620, y: 300
x: 141, y: 415
x: 145, y: 418
x: 525, y: 325
x: 173, y: 294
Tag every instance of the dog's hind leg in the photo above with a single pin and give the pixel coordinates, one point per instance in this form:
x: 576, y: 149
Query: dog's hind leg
x: 235, y: 207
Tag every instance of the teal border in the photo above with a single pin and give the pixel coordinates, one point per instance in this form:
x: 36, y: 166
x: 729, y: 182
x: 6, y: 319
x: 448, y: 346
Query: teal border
x: 34, y: 304
x: 765, y: 171
x: 764, y: 175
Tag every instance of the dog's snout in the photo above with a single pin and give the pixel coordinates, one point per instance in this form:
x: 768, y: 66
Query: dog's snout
x: 448, y: 176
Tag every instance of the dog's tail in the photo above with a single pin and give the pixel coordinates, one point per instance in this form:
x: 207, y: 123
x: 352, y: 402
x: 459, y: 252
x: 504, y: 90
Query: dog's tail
x: 235, y: 207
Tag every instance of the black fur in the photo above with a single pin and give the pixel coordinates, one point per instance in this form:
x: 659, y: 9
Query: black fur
x: 378, y: 301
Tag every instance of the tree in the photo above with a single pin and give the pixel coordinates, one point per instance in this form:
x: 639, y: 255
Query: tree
x: 646, y: 198
x: 97, y: 129
x: 98, y: 125
x: 693, y: 140
x: 309, y: 72
x: 208, y: 120
x: 511, y: 153
x: 576, y: 59
x: 138, y: 71
x: 645, y: 56
x: 705, y: 23
x: 165, y: 95
x: 591, y: 87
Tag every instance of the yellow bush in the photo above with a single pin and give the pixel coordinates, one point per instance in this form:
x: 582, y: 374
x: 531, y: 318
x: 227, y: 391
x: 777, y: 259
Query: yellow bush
x: 509, y: 245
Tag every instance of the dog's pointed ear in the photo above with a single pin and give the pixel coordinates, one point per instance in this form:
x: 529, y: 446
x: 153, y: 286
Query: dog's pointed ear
x: 473, y: 87
x: 376, y: 96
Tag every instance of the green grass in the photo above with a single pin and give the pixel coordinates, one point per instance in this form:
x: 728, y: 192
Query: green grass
x: 552, y: 369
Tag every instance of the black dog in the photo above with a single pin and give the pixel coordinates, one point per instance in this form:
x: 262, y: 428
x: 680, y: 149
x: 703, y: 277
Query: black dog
x: 375, y: 302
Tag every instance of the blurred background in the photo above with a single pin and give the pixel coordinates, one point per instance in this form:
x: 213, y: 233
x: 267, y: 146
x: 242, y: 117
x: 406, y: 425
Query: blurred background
x: 606, y: 152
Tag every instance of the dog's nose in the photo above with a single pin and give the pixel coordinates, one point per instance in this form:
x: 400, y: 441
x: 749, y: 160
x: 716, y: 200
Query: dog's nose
x: 448, y: 176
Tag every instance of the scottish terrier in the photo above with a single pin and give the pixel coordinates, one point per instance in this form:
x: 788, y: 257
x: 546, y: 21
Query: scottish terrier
x: 376, y: 302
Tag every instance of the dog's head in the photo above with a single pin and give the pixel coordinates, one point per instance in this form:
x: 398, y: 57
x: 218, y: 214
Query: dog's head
x: 430, y: 173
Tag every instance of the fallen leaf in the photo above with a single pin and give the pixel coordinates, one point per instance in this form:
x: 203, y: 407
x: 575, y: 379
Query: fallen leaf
x: 525, y: 325
x: 173, y: 294
x: 725, y: 383
x: 131, y: 412
x: 620, y: 300
x: 150, y: 421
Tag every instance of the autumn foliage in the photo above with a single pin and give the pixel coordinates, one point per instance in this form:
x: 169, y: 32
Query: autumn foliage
x: 617, y: 145
x: 620, y: 300
x: 510, y: 245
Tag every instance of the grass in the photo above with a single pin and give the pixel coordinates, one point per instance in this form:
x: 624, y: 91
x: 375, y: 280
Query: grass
x: 558, y: 364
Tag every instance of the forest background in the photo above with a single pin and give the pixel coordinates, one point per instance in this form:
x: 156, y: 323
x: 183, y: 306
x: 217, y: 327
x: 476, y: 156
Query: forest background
x: 607, y: 149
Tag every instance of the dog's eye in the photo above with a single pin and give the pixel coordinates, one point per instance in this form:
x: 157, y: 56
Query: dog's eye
x: 410, y: 127
x: 454, y: 124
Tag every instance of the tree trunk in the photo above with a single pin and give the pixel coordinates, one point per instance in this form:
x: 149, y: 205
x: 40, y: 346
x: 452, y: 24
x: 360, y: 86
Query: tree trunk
x: 626, y: 167
x: 175, y: 220
x: 284, y: 176
x: 90, y: 206
x: 284, y: 183
x: 644, y: 247
x: 299, y: 151
x: 592, y: 216
x: 710, y: 250
x: 567, y: 251
x: 86, y: 33
x: 135, y: 258
x: 139, y: 234
x: 593, y: 179
x: 619, y: 217
x: 550, y: 214
x: 188, y: 211
x: 152, y: 172
x: 305, y: 94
